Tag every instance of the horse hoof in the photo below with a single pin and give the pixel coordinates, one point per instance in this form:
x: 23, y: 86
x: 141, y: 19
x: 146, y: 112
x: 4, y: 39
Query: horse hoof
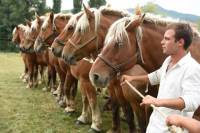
x: 69, y: 113
x: 79, y: 122
x: 62, y: 104
x: 44, y: 89
x: 91, y: 130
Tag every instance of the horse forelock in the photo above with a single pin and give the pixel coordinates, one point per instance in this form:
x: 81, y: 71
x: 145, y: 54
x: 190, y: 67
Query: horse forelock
x: 60, y: 15
x: 83, y: 22
x: 117, y: 31
x: 14, y: 31
x: 72, y: 21
x: 45, y: 23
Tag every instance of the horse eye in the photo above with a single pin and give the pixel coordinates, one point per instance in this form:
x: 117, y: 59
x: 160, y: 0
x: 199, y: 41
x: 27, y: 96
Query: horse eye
x: 118, y: 44
x: 43, y: 29
x: 32, y: 29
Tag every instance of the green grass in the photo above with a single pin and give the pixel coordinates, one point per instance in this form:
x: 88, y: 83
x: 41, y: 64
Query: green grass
x: 32, y: 110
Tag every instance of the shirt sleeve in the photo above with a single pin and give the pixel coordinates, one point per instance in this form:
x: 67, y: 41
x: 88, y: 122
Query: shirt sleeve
x: 191, y: 89
x: 154, y: 77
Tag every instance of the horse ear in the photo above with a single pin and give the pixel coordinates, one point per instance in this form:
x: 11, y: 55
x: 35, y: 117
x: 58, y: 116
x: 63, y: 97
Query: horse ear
x: 28, y: 22
x: 51, y: 17
x: 36, y: 15
x: 88, y: 12
x: 17, y: 27
x: 135, y: 23
x: 138, y: 10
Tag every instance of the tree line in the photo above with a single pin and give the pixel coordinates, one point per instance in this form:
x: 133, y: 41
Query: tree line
x: 14, y: 12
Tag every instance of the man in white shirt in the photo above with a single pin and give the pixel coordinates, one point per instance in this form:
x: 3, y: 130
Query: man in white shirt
x: 179, y: 79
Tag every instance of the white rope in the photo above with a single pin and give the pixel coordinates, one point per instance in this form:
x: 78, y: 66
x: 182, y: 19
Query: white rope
x: 172, y: 129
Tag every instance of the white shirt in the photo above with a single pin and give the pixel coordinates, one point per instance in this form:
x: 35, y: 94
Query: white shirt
x: 182, y: 80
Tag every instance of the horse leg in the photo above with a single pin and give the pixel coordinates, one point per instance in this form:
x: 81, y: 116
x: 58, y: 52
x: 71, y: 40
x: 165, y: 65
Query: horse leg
x: 42, y: 78
x: 92, y: 98
x: 84, y: 117
x: 116, y: 128
x: 31, y: 73
x: 62, y: 75
x: 70, y: 89
x: 73, y: 92
x: 128, y: 112
x: 35, y: 76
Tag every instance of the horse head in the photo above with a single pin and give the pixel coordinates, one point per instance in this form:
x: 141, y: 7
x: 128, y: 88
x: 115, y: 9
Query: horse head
x: 50, y: 29
x: 15, y: 35
x: 84, y: 39
x: 59, y: 42
x: 90, y: 33
x: 120, y: 50
x: 31, y: 33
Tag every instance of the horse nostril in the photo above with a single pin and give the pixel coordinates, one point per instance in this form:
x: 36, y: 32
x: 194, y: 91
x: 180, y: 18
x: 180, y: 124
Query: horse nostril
x: 95, y: 77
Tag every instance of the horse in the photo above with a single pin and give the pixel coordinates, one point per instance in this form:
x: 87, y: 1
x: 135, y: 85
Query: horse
x: 88, y: 40
x: 131, y: 41
x: 81, y: 72
x: 47, y: 32
x: 44, y: 59
x: 16, y: 40
x: 31, y: 67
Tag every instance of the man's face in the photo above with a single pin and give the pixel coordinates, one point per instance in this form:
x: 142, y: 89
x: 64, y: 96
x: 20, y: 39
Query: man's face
x: 170, y: 47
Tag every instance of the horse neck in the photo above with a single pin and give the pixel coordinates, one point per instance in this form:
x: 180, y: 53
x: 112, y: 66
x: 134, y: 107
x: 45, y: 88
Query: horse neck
x: 151, y: 46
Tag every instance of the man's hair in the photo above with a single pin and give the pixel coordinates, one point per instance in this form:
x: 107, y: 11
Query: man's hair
x: 183, y: 31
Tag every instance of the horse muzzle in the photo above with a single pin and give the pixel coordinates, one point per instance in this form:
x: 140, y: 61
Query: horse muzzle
x: 98, y: 80
x: 69, y: 59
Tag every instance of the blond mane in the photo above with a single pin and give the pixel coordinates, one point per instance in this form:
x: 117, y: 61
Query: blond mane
x: 83, y: 23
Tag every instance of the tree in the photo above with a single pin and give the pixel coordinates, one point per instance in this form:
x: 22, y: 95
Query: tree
x: 77, y: 6
x: 150, y: 8
x: 96, y: 3
x: 14, y: 12
x: 56, y: 6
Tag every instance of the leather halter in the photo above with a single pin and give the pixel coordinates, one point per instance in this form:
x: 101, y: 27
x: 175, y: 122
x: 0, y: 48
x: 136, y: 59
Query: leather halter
x: 51, y: 36
x: 78, y: 47
x: 118, y: 68
x: 60, y: 42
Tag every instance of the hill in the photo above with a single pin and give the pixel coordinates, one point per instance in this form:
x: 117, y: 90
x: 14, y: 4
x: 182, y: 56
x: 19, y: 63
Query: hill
x: 174, y: 14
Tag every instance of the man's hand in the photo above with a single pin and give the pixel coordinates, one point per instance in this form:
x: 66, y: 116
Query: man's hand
x: 173, y: 120
x: 148, y: 100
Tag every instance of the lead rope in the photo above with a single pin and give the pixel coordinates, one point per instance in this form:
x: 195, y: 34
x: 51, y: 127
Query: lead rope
x: 172, y: 129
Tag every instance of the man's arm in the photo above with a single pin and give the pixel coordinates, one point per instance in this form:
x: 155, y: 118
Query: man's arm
x: 192, y: 125
x: 176, y: 103
x: 143, y: 78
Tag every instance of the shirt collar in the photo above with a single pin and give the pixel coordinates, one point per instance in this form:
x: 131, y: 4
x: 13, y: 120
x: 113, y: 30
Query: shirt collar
x: 184, y: 60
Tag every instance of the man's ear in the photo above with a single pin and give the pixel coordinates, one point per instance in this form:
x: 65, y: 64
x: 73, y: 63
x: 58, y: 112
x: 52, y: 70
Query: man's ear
x: 181, y: 42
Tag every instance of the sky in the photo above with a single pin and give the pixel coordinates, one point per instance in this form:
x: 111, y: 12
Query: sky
x: 182, y: 6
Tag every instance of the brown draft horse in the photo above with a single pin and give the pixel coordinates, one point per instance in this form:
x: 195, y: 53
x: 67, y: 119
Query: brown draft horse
x: 31, y: 68
x: 49, y: 30
x: 43, y: 58
x: 16, y: 40
x: 125, y: 41
x: 81, y: 72
x: 87, y: 40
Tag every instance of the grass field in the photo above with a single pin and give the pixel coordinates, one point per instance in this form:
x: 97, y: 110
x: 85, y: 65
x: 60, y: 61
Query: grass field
x: 32, y: 110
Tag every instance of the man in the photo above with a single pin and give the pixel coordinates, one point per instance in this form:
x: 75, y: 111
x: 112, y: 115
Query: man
x: 192, y: 125
x: 179, y: 79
